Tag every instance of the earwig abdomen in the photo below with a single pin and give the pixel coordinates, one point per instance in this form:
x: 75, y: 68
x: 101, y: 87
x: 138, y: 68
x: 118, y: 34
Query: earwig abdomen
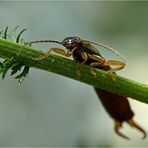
x: 117, y: 106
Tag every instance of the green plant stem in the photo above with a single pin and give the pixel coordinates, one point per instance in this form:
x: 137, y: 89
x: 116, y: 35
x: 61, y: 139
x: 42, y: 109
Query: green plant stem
x: 67, y: 67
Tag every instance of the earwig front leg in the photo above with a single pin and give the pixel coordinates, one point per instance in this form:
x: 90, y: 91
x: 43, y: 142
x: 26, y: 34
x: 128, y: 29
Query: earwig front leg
x: 120, y: 65
x: 85, y: 58
x: 57, y: 50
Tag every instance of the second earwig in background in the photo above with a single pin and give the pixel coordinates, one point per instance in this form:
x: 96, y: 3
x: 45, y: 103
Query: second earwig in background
x: 84, y: 52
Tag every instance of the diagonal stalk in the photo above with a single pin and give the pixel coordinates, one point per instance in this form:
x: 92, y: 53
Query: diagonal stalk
x: 67, y: 67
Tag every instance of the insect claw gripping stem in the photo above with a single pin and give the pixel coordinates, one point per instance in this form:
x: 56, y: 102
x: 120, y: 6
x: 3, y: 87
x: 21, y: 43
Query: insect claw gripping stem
x: 111, y: 75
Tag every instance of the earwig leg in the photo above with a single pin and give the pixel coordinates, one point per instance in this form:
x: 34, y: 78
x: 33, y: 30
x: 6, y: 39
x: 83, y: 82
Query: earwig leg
x: 44, y: 56
x: 135, y: 125
x: 118, y: 125
x: 70, y: 52
x: 85, y: 57
x: 99, y: 61
x: 57, y: 50
x: 120, y: 65
x: 94, y: 64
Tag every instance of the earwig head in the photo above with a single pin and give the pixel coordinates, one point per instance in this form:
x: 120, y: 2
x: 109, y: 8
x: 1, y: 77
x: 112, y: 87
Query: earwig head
x: 71, y: 42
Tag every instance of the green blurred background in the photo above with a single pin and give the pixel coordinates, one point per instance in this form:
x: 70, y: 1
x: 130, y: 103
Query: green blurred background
x: 51, y: 110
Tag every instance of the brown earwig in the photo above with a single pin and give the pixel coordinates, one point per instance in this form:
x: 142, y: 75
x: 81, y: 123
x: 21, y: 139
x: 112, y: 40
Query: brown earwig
x: 84, y: 52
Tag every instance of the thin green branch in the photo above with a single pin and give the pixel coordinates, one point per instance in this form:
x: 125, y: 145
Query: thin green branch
x: 67, y: 67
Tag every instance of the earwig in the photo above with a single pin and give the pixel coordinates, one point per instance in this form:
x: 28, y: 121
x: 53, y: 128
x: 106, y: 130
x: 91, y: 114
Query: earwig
x: 84, y: 52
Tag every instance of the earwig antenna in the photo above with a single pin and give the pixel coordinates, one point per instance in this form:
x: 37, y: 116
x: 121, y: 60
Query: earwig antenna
x: 109, y: 48
x: 42, y: 41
